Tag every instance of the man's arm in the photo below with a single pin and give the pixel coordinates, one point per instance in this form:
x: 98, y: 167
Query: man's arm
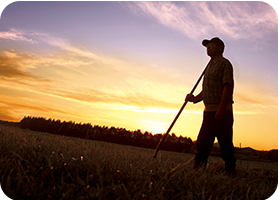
x: 226, y: 98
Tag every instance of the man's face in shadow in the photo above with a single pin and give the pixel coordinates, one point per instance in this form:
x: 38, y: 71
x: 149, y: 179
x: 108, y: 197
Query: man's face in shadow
x: 213, y: 49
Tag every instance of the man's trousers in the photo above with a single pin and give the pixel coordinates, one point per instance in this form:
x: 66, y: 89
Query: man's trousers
x: 223, y: 131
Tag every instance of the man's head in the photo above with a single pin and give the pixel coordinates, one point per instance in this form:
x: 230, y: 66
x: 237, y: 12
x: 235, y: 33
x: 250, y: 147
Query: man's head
x: 215, y: 47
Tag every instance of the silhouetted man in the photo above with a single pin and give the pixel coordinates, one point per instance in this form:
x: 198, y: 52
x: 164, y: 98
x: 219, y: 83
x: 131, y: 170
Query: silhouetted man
x: 217, y: 95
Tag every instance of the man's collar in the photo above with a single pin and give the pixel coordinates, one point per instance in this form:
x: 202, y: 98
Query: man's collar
x: 216, y: 59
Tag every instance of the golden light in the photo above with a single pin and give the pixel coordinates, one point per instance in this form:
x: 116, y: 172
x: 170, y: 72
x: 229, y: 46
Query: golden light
x: 157, y: 129
x: 154, y: 127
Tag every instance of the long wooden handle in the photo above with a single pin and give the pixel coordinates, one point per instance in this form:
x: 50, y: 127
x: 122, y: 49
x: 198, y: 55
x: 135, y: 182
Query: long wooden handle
x: 177, y: 116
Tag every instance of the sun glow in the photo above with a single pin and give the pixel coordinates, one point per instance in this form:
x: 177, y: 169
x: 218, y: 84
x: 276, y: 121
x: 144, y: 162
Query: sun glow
x: 157, y: 129
x: 154, y: 127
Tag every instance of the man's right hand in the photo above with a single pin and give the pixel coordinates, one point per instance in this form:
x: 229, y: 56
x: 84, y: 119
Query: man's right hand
x: 190, y: 98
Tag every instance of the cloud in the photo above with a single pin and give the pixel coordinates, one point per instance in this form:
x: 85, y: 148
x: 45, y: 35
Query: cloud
x: 10, y: 110
x: 133, y: 99
x: 16, y: 36
x: 249, y: 101
x: 86, y: 80
x: 55, y: 41
x: 14, y: 66
x: 238, y: 20
x: 84, y: 76
x: 65, y: 45
x: 78, y: 74
x: 71, y: 55
x: 6, y: 115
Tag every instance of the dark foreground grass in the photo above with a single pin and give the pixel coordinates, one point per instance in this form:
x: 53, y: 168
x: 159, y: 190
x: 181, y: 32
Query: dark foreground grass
x: 42, y: 166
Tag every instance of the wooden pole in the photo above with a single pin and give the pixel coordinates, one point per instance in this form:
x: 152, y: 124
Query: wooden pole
x: 177, y: 116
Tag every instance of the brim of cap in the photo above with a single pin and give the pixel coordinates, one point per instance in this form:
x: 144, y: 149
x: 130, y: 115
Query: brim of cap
x: 205, y: 42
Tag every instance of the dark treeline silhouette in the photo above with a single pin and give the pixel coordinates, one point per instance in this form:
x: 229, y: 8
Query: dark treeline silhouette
x: 104, y: 133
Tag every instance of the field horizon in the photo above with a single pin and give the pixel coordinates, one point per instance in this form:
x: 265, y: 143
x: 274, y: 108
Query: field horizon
x: 244, y: 153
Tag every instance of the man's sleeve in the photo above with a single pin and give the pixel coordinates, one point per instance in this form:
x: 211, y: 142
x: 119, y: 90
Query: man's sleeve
x: 228, y: 77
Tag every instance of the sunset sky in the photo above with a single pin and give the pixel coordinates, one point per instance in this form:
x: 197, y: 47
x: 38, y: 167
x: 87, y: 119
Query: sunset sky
x: 131, y: 64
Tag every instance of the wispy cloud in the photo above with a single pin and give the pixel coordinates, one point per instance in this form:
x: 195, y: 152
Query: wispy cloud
x: 238, y: 20
x: 130, y: 99
x: 87, y: 77
x: 35, y: 37
x: 257, y: 103
x: 16, y: 36
x: 83, y: 75
x: 65, y: 45
x: 15, y: 66
x: 11, y: 109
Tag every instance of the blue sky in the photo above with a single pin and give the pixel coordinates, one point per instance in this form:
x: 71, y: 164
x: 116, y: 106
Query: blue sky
x: 130, y: 64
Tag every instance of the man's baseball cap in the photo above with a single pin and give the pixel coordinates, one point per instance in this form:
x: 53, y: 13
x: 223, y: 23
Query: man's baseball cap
x: 213, y: 40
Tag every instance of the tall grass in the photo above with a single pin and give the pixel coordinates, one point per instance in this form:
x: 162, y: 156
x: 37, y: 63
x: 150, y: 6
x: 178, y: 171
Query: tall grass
x: 45, y: 166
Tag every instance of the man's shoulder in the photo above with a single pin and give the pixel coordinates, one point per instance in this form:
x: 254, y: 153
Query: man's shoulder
x: 225, y: 61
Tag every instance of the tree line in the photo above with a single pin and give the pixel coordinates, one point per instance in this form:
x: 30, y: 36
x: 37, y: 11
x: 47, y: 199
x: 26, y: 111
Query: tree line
x: 106, y: 134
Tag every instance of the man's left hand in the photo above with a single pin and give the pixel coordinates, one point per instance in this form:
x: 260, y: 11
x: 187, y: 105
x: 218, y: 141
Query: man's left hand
x: 219, y: 115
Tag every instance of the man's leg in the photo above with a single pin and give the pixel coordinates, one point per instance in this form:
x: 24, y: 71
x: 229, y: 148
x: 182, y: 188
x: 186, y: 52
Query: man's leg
x: 205, y: 140
x: 225, y: 139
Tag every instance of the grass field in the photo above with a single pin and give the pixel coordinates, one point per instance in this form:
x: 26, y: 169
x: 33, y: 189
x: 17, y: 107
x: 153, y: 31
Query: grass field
x: 43, y: 166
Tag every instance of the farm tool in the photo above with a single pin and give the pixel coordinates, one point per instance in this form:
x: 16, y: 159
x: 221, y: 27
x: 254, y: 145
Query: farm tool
x: 177, y: 116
